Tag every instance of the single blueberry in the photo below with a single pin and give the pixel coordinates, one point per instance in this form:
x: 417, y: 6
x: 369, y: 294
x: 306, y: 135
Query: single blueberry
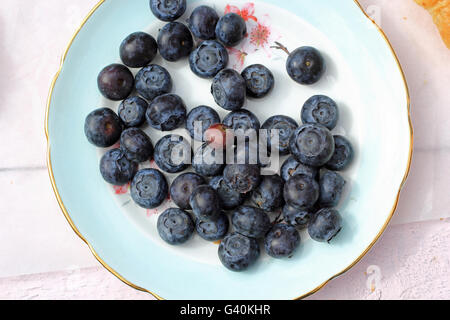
x: 325, y: 225
x: 153, y: 81
x: 230, y: 199
x: 199, y: 120
x: 297, y: 217
x: 205, y: 203
x: 229, y: 90
x: 136, y: 144
x: 282, y: 241
x: 251, y: 222
x: 149, y: 188
x: 259, y: 80
x: 182, y: 188
x: 173, y: 153
x: 103, y: 128
x: 208, y: 59
x: 115, y: 82
x: 138, y: 50
x: 238, y: 253
x: 168, y: 10
x: 175, y: 226
x: 301, y: 191
x: 203, y: 22
x: 283, y: 126
x: 231, y: 29
x: 242, y: 178
x: 242, y: 121
x: 166, y: 113
x: 132, y: 111
x: 343, y: 154
x: 116, y: 168
x: 305, y: 65
x: 268, y: 196
x: 209, y: 161
x: 322, y: 110
x: 292, y: 167
x: 175, y: 41
x: 213, y: 230
x: 312, y: 144
x: 331, y: 187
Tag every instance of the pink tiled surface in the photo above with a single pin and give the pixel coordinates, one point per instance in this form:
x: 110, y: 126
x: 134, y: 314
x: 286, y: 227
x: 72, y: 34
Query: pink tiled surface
x: 41, y: 258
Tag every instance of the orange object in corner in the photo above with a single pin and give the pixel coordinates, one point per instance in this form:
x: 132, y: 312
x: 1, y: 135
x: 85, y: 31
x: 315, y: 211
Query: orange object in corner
x: 440, y: 11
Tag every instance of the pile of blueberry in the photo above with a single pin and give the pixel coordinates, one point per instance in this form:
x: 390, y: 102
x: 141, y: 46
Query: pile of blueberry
x: 220, y: 195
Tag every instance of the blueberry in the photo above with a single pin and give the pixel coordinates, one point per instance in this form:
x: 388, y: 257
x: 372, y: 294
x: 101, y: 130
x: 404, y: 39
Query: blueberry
x: 230, y: 199
x: 238, y: 253
x: 285, y: 127
x: 166, y: 112
x: 305, y: 65
x: 182, y: 188
x: 209, y: 161
x: 251, y: 222
x: 301, y: 191
x: 297, y: 217
x: 229, y: 90
x: 259, y: 80
x: 138, y: 50
x: 325, y: 225
x: 132, y: 111
x: 203, y: 22
x: 282, y: 241
x: 242, y: 178
x: 205, y: 203
x: 213, y: 230
x: 208, y: 59
x: 201, y: 118
x: 231, y: 29
x: 115, y: 82
x: 175, y: 226
x: 175, y: 41
x: 149, y: 188
x: 173, y: 153
x: 322, y: 110
x: 331, y: 187
x: 116, y: 168
x: 292, y: 167
x: 312, y: 144
x: 136, y: 144
x: 343, y: 154
x: 268, y: 196
x: 103, y: 128
x: 153, y: 81
x: 242, y: 121
x: 168, y: 10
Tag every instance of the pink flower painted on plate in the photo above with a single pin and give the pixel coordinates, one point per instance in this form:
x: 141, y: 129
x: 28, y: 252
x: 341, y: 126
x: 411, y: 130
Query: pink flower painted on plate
x: 247, y: 12
x: 237, y: 58
x: 263, y: 36
x: 120, y: 190
x: 152, y: 212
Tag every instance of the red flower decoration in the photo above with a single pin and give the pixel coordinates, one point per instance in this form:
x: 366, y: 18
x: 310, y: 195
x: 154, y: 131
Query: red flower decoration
x: 246, y: 13
x: 238, y: 57
x: 259, y: 36
x: 119, y: 190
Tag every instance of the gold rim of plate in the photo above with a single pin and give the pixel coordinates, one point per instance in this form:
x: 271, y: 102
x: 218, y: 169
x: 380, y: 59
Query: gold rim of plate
x: 104, y: 264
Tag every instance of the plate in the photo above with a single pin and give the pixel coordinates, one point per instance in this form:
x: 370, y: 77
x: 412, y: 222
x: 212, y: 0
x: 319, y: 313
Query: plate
x: 363, y: 76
